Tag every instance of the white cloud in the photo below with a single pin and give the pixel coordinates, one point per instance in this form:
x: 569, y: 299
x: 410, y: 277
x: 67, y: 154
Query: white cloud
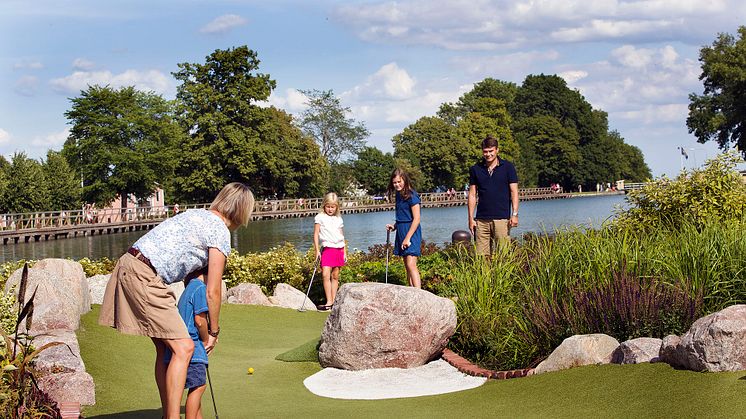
x: 51, y: 141
x: 494, y: 24
x: 28, y: 65
x: 26, y: 86
x: 573, y: 76
x: 511, y: 67
x: 293, y: 101
x: 223, y: 24
x: 389, y: 82
x: 149, y: 80
x: 4, y: 136
x: 82, y: 64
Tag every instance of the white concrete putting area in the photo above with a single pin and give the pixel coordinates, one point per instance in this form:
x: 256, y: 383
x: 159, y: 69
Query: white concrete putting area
x: 437, y: 377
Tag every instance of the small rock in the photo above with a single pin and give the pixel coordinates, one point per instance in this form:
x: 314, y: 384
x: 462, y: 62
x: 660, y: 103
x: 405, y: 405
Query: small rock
x: 248, y: 294
x: 580, y: 350
x: 636, y: 351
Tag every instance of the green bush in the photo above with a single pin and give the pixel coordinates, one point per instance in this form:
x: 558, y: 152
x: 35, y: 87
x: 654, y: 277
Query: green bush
x: 7, y: 269
x: 267, y: 269
x: 103, y: 266
x: 715, y: 193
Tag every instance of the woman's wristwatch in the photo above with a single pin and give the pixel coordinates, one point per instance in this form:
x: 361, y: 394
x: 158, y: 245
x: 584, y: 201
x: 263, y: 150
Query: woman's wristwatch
x: 215, y: 333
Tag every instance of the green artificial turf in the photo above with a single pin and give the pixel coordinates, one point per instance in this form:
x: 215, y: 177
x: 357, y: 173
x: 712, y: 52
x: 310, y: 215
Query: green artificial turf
x: 254, y: 336
x: 308, y: 352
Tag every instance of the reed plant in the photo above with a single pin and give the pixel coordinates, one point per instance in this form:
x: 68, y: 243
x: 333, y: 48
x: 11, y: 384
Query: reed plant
x: 487, y: 303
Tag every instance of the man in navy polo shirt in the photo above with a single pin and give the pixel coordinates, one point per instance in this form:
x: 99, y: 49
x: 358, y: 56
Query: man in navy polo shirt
x: 495, y: 182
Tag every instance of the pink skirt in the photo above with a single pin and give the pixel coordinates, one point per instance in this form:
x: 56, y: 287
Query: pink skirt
x: 332, y: 256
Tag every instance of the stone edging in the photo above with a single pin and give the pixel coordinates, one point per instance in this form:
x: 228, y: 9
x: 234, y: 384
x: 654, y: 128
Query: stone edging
x: 462, y: 364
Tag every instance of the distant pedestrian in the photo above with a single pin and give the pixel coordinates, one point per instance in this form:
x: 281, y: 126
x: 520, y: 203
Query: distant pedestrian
x: 408, y: 230
x: 495, y: 183
x: 176, y: 209
x: 329, y: 243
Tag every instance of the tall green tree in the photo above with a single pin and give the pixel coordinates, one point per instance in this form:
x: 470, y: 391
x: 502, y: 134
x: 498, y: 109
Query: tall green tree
x: 289, y: 163
x: 218, y: 109
x: 719, y: 114
x: 4, y: 178
x: 372, y: 169
x: 558, y: 147
x: 435, y: 148
x: 62, y: 182
x: 326, y: 121
x: 490, y: 97
x: 121, y: 142
x: 26, y: 190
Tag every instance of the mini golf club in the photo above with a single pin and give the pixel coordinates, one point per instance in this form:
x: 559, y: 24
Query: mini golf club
x: 315, y: 264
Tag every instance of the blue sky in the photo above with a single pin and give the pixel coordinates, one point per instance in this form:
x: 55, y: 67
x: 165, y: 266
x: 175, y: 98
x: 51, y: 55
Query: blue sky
x: 390, y: 62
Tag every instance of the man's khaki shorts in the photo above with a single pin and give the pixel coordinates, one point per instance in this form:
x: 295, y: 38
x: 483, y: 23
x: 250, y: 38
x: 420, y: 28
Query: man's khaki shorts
x: 488, y: 233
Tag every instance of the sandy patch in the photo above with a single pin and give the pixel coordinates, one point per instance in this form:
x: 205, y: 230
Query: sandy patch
x: 437, y: 377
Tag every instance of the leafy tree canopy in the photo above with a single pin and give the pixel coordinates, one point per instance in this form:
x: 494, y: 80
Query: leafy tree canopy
x: 327, y: 122
x: 26, y: 189
x: 719, y: 114
x: 121, y: 142
x: 62, y: 182
x: 217, y: 107
x: 433, y: 146
x: 289, y: 163
x: 372, y: 169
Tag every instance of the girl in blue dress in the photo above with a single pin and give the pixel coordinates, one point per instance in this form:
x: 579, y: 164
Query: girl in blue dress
x: 407, y: 226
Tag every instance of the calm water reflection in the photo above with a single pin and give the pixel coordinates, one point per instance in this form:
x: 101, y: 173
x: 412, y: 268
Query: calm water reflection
x: 361, y: 230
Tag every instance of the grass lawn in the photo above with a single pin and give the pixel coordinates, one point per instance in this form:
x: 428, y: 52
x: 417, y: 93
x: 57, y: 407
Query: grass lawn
x: 253, y: 336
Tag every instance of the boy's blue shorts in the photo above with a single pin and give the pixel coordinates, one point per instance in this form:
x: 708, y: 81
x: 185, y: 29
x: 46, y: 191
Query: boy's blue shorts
x: 196, y: 375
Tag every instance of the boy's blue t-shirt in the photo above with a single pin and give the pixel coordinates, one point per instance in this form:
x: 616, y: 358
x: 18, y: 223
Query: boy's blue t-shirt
x: 192, y: 302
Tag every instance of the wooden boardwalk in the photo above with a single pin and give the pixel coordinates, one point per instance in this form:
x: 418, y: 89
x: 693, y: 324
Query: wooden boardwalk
x: 53, y: 225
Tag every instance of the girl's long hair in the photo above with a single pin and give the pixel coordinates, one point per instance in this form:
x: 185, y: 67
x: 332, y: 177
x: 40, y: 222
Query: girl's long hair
x: 406, y: 191
x: 330, y: 198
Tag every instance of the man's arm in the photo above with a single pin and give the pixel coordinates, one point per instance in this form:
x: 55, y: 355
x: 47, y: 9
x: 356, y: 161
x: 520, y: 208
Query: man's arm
x: 471, y: 203
x: 514, y: 203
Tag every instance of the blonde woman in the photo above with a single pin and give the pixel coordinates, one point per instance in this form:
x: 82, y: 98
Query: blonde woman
x: 329, y: 242
x: 138, y: 300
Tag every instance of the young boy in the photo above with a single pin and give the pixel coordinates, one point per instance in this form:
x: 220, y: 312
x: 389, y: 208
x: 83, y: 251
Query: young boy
x: 193, y: 309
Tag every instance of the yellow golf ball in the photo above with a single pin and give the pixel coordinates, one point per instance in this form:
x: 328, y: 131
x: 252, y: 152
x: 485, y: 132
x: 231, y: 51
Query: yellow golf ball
x: 251, y: 370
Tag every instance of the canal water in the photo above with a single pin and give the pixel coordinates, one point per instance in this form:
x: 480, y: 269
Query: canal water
x: 361, y: 230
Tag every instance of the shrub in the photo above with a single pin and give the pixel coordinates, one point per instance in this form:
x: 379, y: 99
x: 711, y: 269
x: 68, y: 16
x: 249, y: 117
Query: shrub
x: 626, y: 307
x: 7, y: 269
x: 103, y: 266
x: 267, y: 269
x: 715, y: 193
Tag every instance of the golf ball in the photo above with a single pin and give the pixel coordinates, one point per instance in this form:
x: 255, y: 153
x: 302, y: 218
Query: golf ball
x: 251, y: 370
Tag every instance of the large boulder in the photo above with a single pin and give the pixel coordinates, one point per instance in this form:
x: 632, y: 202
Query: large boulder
x: 289, y: 297
x: 72, y: 273
x: 580, y: 350
x: 59, y: 358
x: 57, y: 304
x: 713, y: 343
x: 248, y: 294
x: 636, y: 351
x: 69, y: 386
x: 97, y: 287
x: 375, y: 325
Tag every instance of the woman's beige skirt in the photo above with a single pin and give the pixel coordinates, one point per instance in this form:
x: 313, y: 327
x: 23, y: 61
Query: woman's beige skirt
x: 137, y: 302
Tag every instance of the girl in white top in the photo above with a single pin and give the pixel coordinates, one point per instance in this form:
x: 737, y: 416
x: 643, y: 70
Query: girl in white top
x: 329, y: 242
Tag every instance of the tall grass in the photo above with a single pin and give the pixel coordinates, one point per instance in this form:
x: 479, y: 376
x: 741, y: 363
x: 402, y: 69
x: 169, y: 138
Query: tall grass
x: 516, y: 309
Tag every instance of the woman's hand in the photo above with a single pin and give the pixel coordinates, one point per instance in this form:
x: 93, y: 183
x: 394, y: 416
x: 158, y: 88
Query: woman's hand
x: 211, y: 342
x: 390, y: 227
x: 405, y: 244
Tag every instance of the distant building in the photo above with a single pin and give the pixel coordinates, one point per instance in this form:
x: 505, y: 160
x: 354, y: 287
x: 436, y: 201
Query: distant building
x: 152, y: 205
